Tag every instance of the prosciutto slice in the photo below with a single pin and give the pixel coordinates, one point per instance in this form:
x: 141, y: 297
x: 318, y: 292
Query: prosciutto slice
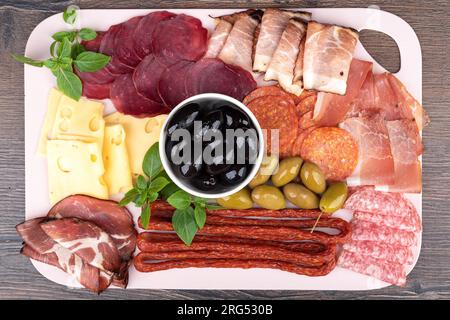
x: 115, y: 220
x: 328, y: 55
x: 282, y: 65
x: 331, y: 109
x: 218, y: 38
x: 86, y: 240
x: 238, y: 47
x: 406, y: 146
x: 274, y: 22
x: 375, y: 163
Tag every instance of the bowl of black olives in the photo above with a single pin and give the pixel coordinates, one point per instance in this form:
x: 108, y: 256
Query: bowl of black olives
x: 211, y: 145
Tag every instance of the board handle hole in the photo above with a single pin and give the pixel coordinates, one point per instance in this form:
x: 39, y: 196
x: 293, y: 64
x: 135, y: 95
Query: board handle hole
x: 382, y: 48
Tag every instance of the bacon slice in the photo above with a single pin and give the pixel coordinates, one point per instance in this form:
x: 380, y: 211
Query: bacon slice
x: 218, y: 38
x: 328, y: 54
x: 274, y: 22
x: 331, y: 109
x: 298, y: 69
x: 238, y: 47
x: 375, y: 163
x: 282, y: 65
x: 86, y: 240
x: 406, y: 146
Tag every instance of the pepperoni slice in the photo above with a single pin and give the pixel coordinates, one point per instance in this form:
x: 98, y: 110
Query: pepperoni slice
x: 96, y: 91
x: 127, y: 100
x: 268, y: 91
x: 276, y: 113
x: 171, y: 88
x: 143, y: 33
x: 333, y: 149
x: 306, y: 104
x: 124, y: 49
x: 180, y: 38
x: 297, y: 146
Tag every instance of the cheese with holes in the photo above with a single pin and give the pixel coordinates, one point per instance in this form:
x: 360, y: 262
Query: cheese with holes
x: 75, y: 167
x: 78, y: 120
x: 141, y: 134
x: 115, y: 159
x: 53, y: 102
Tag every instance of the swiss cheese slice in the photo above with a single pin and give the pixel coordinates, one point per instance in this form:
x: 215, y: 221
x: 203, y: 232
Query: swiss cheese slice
x: 53, y: 102
x: 141, y: 133
x: 115, y: 159
x: 75, y: 167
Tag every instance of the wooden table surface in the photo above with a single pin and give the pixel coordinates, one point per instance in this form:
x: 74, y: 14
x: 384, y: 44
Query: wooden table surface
x: 430, y: 279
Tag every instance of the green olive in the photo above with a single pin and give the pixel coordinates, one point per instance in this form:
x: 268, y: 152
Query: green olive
x: 287, y: 171
x: 301, y: 196
x: 268, y: 197
x: 240, y: 200
x: 334, y: 197
x: 313, y: 178
x: 268, y: 166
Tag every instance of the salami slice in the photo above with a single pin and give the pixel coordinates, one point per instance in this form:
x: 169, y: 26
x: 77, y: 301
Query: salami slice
x: 333, y: 149
x: 363, y: 230
x: 147, y: 75
x: 94, y: 45
x: 171, y: 88
x: 268, y: 91
x: 390, y: 272
x: 276, y: 113
x: 124, y: 50
x: 143, y: 33
x: 127, y: 100
x: 101, y: 76
x: 384, y: 251
x: 180, y: 38
x: 215, y: 76
x: 107, y: 46
x: 96, y: 91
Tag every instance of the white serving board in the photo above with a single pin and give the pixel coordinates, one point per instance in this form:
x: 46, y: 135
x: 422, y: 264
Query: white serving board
x: 39, y: 81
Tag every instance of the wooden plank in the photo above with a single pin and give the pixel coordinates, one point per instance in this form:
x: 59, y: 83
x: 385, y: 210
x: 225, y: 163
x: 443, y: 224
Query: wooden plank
x: 429, y: 280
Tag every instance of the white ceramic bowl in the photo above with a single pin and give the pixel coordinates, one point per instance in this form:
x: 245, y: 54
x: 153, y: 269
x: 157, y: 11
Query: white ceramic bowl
x: 190, y: 189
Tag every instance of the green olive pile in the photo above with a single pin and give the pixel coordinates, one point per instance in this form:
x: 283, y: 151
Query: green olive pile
x: 301, y: 183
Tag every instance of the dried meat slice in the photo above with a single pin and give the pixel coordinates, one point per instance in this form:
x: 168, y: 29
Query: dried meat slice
x: 408, y: 223
x: 390, y: 272
x: 107, y: 46
x: 180, y: 38
x: 328, y: 55
x: 331, y: 109
x: 171, y: 88
x: 124, y: 49
x: 273, y: 23
x: 94, y: 45
x: 102, y: 76
x: 368, y: 231
x: 406, y: 146
x: 383, y: 251
x: 282, y: 65
x: 128, y: 101
x: 86, y: 240
x: 218, y: 38
x: 375, y: 164
x: 96, y: 91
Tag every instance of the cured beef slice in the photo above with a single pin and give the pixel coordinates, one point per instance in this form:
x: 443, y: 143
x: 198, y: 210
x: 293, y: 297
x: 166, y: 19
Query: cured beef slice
x: 124, y: 49
x: 96, y: 91
x: 94, y: 45
x: 108, y: 46
x: 171, y: 88
x: 180, y: 38
x: 128, y: 101
x: 101, y: 76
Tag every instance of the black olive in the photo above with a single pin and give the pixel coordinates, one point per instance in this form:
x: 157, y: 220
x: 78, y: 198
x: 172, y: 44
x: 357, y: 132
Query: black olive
x: 205, y: 182
x: 216, y: 169
x: 185, y: 118
x: 190, y: 170
x: 234, y: 175
x: 235, y: 119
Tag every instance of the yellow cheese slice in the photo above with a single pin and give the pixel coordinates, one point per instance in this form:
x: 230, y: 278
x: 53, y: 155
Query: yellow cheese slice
x: 141, y: 133
x: 115, y: 159
x: 53, y: 102
x: 75, y: 167
x: 79, y: 120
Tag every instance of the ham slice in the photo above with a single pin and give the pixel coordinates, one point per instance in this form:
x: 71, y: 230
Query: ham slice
x: 238, y: 46
x: 375, y: 163
x: 86, y: 240
x: 406, y: 146
x: 274, y: 22
x: 331, y: 109
x: 328, y: 55
x: 218, y: 38
x: 282, y: 65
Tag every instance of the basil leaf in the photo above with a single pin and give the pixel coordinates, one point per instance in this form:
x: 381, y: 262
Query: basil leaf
x: 129, y: 196
x: 87, y: 34
x: 69, y: 83
x: 70, y: 14
x: 152, y: 196
x: 59, y: 36
x: 65, y: 48
x: 180, y: 200
x: 158, y: 184
x: 52, y: 64
x: 152, y: 162
x: 141, y: 183
x: 170, y: 189
x: 183, y: 222
x: 145, y: 216
x: 91, y: 61
x: 52, y: 48
x: 141, y: 199
x: 200, y: 216
x: 31, y: 62
x: 213, y: 207
x: 77, y: 48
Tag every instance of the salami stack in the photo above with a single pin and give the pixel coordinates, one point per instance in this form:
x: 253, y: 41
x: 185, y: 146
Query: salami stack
x: 385, y: 229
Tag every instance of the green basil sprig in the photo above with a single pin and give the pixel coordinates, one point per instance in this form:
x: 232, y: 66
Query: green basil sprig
x: 66, y: 51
